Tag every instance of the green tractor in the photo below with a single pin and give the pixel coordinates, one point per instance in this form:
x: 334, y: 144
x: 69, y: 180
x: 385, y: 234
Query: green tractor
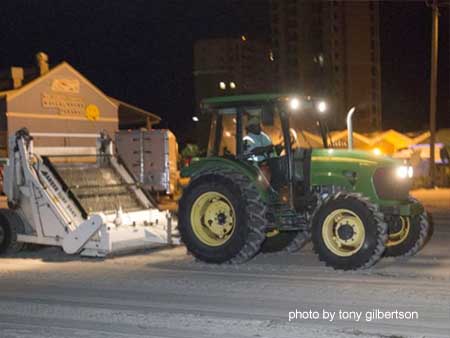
x: 241, y: 199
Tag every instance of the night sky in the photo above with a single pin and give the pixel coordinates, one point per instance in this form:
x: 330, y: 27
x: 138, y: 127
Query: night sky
x: 141, y: 51
x: 405, y: 31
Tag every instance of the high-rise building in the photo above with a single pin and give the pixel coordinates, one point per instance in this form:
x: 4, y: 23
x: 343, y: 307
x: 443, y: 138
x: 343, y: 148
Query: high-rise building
x: 331, y: 48
x: 297, y: 44
x: 231, y: 66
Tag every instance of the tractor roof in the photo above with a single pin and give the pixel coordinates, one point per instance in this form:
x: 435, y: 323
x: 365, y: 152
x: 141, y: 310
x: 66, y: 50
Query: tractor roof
x: 227, y: 101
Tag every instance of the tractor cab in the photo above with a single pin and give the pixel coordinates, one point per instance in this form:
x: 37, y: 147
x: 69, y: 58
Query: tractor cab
x: 257, y: 129
x: 233, y: 116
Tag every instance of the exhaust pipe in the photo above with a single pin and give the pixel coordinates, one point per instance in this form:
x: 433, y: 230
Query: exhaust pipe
x: 350, y: 128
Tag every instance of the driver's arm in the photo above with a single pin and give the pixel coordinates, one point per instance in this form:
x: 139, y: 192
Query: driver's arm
x: 273, y: 150
x: 249, y: 143
x: 266, y: 140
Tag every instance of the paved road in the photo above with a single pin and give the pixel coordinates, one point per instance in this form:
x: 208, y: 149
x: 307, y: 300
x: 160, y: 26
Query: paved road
x: 166, y: 294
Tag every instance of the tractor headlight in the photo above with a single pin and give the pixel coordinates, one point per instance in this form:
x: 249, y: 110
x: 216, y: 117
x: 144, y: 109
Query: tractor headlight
x: 404, y: 172
x: 294, y: 103
x: 321, y: 106
x: 392, y: 183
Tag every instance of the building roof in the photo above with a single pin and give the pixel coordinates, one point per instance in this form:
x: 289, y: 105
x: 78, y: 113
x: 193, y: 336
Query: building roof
x: 121, y: 105
x: 7, y: 92
x: 338, y: 135
x: 129, y: 107
x: 11, y: 94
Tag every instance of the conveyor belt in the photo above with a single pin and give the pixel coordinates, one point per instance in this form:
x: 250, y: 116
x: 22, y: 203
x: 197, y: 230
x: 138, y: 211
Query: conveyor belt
x: 95, y: 183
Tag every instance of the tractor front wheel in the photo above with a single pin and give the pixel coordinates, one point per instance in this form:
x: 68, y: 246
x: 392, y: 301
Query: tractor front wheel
x: 222, y: 217
x: 348, y: 232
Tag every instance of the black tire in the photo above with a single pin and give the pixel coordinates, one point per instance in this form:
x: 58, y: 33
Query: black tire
x: 10, y: 225
x: 299, y: 241
x: 419, y: 234
x: 278, y: 242
x: 287, y: 241
x: 250, y: 221
x: 430, y: 233
x: 375, y: 229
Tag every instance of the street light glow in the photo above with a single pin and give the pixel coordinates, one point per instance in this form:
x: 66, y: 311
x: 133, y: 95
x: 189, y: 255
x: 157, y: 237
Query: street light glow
x: 195, y: 119
x: 322, y: 106
x: 222, y: 85
x: 232, y: 85
x: 294, y: 103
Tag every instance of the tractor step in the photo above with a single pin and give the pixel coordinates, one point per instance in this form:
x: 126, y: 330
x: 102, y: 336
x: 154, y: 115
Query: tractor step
x: 285, y: 218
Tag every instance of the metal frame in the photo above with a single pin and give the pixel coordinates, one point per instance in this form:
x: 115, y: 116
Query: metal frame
x: 52, y: 215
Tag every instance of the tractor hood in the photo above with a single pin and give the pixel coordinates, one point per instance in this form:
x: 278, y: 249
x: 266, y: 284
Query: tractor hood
x: 359, y: 157
x: 374, y: 176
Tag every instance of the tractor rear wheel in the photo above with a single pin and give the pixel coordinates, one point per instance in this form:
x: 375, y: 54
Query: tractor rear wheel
x: 10, y: 225
x: 407, y: 236
x: 222, y: 217
x: 348, y: 232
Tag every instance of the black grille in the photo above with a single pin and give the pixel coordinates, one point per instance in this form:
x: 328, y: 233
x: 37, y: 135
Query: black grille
x: 389, y: 186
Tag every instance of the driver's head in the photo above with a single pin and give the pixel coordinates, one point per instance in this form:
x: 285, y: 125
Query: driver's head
x: 254, y: 125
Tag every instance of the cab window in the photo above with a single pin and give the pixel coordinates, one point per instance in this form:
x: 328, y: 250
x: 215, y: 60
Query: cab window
x: 228, y: 135
x: 223, y: 131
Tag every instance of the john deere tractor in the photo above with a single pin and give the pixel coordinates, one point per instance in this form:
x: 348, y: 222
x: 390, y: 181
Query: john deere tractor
x: 353, y: 205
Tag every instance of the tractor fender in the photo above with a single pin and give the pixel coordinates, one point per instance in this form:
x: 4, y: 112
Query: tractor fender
x: 245, y: 168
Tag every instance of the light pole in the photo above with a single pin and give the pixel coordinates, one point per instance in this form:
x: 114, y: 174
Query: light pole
x: 433, y: 86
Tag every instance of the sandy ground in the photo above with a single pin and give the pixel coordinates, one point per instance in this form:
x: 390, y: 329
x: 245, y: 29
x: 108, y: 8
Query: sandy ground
x: 165, y: 293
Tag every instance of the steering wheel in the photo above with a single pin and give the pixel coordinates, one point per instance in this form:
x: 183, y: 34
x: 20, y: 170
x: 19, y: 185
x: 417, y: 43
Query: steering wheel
x: 264, y: 151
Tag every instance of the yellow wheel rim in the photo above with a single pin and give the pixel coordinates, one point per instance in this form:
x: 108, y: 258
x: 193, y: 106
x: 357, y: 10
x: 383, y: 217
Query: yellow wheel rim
x: 400, y: 236
x: 272, y: 233
x: 213, y: 218
x: 343, y: 232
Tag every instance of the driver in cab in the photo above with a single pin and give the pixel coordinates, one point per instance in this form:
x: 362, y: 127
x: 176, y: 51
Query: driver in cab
x: 255, y: 138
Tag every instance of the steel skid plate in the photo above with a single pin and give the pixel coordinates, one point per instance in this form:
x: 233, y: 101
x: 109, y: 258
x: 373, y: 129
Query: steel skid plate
x: 155, y: 229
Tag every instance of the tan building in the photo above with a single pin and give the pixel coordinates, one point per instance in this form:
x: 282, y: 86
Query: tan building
x: 61, y: 100
x: 231, y: 66
x: 331, y: 48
